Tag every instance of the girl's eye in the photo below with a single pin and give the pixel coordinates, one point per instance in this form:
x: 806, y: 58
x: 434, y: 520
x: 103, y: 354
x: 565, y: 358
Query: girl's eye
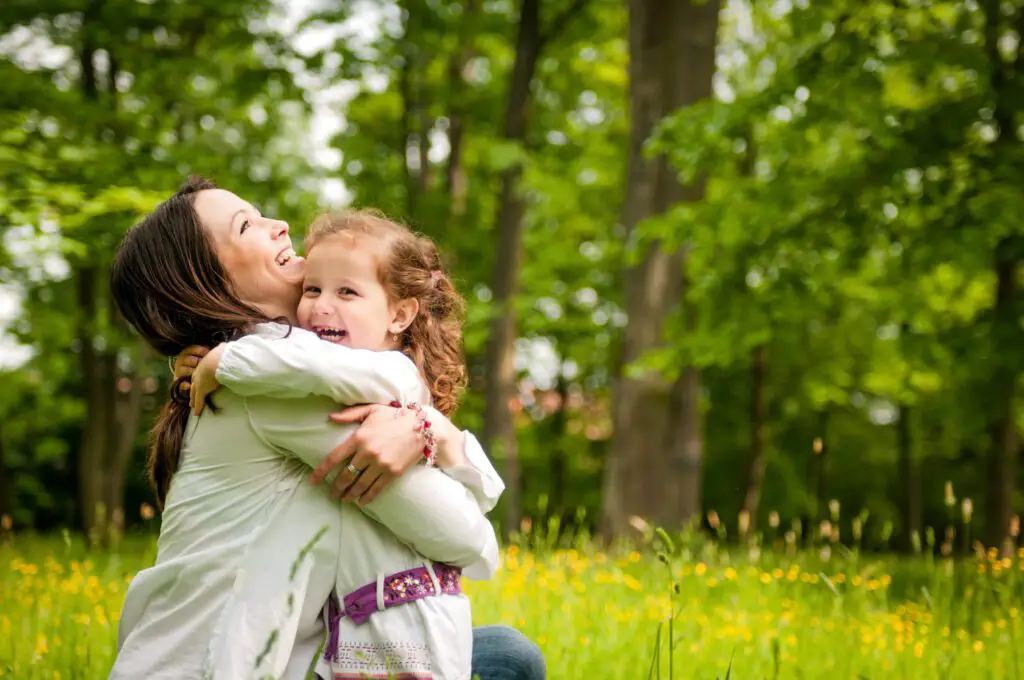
x: 346, y: 291
x: 245, y: 225
x: 310, y: 291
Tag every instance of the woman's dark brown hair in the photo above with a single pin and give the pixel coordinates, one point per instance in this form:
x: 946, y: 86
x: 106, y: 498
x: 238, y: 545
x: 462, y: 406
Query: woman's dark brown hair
x: 409, y: 267
x: 171, y: 287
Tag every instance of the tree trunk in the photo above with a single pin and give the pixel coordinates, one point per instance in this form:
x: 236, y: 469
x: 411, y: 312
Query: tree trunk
x: 559, y: 460
x: 499, y: 427
x: 1002, y: 458
x: 820, y: 451
x: 910, y: 481
x: 753, y: 478
x: 405, y: 133
x: 6, y: 488
x: 1005, y: 331
x: 95, y: 371
x: 426, y: 125
x: 455, y: 173
x: 125, y: 424
x: 654, y: 466
x: 110, y: 422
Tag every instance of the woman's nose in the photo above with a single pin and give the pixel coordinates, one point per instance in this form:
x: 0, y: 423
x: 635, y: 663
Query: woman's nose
x: 278, y: 229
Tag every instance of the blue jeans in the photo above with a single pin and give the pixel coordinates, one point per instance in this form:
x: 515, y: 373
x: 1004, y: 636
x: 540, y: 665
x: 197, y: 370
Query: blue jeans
x: 503, y: 653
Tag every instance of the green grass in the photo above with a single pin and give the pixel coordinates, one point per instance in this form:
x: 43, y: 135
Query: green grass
x: 760, y: 613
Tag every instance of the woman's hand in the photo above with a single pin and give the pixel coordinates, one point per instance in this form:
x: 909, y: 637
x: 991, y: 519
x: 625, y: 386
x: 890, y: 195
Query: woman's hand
x: 185, y: 365
x: 204, y: 379
x: 384, y: 447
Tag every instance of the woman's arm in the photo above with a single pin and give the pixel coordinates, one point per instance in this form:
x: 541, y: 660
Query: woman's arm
x: 459, y: 454
x: 426, y: 509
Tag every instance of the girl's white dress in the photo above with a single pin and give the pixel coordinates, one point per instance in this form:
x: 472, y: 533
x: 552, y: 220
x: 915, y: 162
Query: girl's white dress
x: 249, y: 551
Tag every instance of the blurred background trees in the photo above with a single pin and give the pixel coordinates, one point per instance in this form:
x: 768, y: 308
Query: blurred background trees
x: 741, y: 257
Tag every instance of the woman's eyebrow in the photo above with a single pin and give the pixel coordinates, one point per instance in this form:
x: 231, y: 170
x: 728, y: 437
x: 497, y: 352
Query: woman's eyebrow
x: 237, y: 213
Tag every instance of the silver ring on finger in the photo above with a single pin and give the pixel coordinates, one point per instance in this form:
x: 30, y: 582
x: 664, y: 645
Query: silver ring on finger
x: 353, y: 469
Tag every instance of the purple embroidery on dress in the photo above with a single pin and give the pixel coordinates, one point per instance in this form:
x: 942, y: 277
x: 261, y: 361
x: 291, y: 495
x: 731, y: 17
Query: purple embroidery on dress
x: 405, y: 586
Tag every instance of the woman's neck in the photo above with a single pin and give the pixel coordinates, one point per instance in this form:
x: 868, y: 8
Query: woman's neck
x: 276, y: 312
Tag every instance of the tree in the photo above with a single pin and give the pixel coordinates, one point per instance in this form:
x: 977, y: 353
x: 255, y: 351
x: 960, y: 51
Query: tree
x: 875, y: 157
x: 654, y: 469
x: 110, y: 131
x: 499, y: 429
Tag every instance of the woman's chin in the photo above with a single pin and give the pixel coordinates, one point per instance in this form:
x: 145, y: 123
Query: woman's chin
x: 294, y: 269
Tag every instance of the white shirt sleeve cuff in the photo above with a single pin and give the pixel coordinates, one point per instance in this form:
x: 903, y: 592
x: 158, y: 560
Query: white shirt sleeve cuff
x: 478, y: 475
x: 484, y: 568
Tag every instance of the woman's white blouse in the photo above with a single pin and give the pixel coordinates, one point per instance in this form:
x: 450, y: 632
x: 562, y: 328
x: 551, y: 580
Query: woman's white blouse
x: 249, y: 551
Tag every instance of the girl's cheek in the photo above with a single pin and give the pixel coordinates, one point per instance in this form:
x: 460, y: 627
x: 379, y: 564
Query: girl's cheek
x: 302, y: 313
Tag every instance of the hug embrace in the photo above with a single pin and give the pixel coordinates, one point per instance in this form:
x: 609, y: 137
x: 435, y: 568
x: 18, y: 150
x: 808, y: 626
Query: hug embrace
x: 259, y: 572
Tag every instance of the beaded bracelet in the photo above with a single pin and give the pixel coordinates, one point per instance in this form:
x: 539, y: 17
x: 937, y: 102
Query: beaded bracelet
x: 424, y: 429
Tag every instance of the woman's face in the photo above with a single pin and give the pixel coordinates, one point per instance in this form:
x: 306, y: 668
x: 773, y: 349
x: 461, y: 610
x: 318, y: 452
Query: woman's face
x: 256, y: 252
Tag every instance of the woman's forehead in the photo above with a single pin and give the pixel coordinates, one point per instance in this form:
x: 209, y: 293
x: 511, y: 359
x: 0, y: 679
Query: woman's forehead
x: 217, y: 208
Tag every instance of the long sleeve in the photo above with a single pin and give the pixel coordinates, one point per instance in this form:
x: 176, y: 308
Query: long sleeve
x: 426, y: 509
x: 299, y: 364
x: 478, y: 475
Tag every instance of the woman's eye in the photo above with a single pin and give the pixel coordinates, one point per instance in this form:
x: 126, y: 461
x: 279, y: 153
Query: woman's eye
x: 245, y: 225
x: 310, y: 291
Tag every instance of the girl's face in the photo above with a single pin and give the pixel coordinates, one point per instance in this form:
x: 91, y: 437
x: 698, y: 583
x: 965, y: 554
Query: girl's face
x: 343, y: 300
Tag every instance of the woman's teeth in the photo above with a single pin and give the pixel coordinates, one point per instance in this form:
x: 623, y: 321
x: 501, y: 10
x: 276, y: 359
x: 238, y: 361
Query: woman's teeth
x: 284, y: 257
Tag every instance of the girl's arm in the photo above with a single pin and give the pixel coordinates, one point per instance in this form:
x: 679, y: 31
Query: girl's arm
x: 426, y: 509
x: 299, y: 364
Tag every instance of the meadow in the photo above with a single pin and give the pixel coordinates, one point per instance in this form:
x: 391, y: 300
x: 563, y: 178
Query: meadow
x: 690, y: 609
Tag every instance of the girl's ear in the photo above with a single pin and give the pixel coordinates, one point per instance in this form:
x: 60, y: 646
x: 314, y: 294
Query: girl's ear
x: 402, y: 315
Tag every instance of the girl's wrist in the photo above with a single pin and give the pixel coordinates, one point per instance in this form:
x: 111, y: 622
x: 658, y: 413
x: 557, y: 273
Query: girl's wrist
x: 451, y: 441
x: 433, y: 432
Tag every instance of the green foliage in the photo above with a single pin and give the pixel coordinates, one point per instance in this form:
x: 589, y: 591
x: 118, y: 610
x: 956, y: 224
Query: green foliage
x: 767, y: 611
x: 168, y: 90
x: 862, y: 170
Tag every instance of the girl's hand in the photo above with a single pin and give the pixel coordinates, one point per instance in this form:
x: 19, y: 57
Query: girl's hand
x: 185, y: 364
x: 204, y: 379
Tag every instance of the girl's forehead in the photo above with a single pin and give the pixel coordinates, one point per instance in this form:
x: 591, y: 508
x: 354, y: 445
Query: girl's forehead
x: 351, y: 240
x: 352, y: 243
x: 353, y: 251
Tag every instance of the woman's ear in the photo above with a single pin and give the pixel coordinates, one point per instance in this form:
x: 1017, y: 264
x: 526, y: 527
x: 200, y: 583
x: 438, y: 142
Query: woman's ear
x: 402, y: 315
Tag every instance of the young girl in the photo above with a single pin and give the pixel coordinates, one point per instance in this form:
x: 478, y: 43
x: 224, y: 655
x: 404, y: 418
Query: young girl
x: 372, y: 286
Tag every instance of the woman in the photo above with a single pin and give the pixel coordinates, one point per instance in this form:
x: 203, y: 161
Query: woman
x: 247, y: 548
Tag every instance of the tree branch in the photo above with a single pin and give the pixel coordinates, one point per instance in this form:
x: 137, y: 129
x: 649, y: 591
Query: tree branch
x: 562, y: 20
